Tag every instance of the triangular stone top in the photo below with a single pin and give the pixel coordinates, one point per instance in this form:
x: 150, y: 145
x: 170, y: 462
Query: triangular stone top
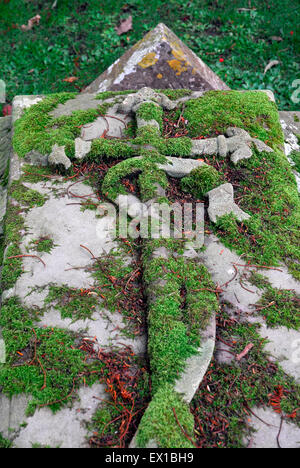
x: 160, y: 60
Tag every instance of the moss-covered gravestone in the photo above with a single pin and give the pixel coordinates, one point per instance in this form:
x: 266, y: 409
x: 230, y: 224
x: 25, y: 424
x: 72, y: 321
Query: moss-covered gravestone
x: 139, y: 150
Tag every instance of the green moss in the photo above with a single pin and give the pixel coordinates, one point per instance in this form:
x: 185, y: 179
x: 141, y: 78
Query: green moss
x: 201, y: 180
x: 174, y: 94
x: 4, y: 443
x: 37, y: 130
x: 213, y: 113
x: 102, y: 148
x: 279, y: 307
x: 43, y: 244
x: 150, y: 111
x: 295, y: 156
x: 267, y: 190
x: 159, y: 421
x: 109, y: 94
x: 35, y: 174
x: 26, y: 196
x: 178, y: 147
x: 174, y: 321
x: 112, y: 186
x: 77, y: 304
x: 41, y: 362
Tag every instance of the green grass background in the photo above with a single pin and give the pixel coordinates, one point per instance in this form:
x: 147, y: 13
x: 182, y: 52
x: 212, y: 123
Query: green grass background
x: 82, y: 33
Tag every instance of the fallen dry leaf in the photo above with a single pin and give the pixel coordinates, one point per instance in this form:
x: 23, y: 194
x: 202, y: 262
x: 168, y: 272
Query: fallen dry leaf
x: 270, y: 65
x: 276, y: 38
x: 124, y: 26
x: 70, y: 79
x: 31, y: 23
x: 244, y: 352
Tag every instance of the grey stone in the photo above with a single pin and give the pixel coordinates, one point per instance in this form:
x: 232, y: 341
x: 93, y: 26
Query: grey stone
x: 222, y: 146
x: 132, y: 102
x: 243, y: 152
x: 208, y: 146
x: 113, y: 125
x: 237, y: 132
x: 142, y: 123
x: 36, y: 158
x: 196, y: 365
x: 5, y: 124
x: 22, y: 102
x: 80, y: 102
x: 267, y: 430
x: 261, y: 146
x: 177, y: 167
x: 82, y: 148
x: 58, y: 157
x: 221, y: 202
x: 160, y: 60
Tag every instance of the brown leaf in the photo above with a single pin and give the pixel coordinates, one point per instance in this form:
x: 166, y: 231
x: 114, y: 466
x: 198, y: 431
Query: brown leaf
x: 276, y: 38
x: 70, y: 79
x: 34, y: 20
x: 124, y: 26
x: 244, y: 352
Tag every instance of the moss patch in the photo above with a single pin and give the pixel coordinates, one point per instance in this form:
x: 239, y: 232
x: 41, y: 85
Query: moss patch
x: 159, y: 422
x: 77, y: 304
x: 201, y: 180
x: 265, y: 188
x: 26, y: 196
x: 295, y: 156
x: 213, y: 113
x: 182, y: 307
x: 42, y: 362
x: 279, y: 307
x: 37, y: 130
x: 43, y: 244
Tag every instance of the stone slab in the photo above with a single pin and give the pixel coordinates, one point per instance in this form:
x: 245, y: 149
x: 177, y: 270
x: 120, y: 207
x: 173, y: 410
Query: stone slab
x: 159, y: 60
x: 266, y: 433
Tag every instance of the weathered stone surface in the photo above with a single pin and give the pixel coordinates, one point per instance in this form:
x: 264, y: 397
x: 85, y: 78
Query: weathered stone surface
x: 82, y: 148
x: 208, y: 146
x: 160, y: 60
x: 58, y: 156
x: 36, y: 158
x: 20, y: 103
x: 178, y: 167
x: 221, y: 202
x: 113, y: 124
x: 196, y: 366
x: 267, y: 433
x: 132, y: 102
x: 290, y: 123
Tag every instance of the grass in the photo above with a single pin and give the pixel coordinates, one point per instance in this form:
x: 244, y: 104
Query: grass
x: 86, y: 42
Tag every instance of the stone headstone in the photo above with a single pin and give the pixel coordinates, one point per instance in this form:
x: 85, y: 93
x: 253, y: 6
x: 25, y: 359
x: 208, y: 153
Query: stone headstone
x: 160, y: 60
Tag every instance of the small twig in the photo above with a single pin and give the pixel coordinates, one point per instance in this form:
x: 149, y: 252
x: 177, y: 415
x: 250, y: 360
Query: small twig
x: 86, y: 248
x: 25, y: 255
x: 278, y: 435
x: 182, y: 430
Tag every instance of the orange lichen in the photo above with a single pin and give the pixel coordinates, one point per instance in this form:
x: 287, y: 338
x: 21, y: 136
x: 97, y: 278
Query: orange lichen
x: 178, y: 66
x: 159, y: 76
x: 149, y: 60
